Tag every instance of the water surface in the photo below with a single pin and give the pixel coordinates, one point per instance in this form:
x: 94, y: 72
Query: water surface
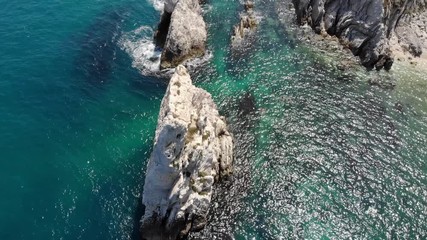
x: 320, y: 154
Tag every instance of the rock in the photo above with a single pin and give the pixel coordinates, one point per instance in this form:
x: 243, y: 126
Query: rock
x: 364, y: 25
x: 342, y: 66
x: 409, y: 40
x: 384, y: 82
x: 249, y: 5
x: 398, y: 106
x: 192, y: 151
x: 181, y: 33
x: 170, y: 5
x: 247, y: 24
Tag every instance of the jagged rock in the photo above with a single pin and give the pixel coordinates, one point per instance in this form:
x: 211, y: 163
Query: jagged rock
x: 409, y: 40
x: 364, y: 25
x: 192, y: 150
x: 247, y: 24
x: 181, y: 33
x: 249, y: 5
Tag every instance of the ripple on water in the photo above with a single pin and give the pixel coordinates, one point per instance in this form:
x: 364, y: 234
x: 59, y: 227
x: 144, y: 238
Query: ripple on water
x: 326, y: 154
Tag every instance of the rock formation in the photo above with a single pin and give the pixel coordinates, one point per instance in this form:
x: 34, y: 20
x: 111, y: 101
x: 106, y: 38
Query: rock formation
x: 181, y: 33
x: 247, y: 24
x: 365, y: 26
x: 192, y: 151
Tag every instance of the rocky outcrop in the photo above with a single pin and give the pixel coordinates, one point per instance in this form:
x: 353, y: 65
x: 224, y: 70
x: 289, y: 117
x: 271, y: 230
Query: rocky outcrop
x: 247, y: 24
x: 365, y: 26
x: 192, y: 151
x: 181, y: 33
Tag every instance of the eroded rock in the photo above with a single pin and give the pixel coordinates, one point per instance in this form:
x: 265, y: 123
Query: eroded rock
x: 365, y: 26
x: 181, y: 33
x: 192, y: 151
x: 247, y: 24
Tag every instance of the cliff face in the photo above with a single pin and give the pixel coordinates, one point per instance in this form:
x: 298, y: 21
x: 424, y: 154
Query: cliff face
x: 193, y: 149
x: 365, y: 26
x: 181, y: 33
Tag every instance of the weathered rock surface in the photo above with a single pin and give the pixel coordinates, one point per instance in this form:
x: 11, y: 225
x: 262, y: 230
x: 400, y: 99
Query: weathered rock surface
x: 181, y: 33
x: 193, y: 149
x: 365, y: 26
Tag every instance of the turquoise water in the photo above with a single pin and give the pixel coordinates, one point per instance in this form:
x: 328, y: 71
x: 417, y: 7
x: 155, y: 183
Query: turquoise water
x: 319, y: 153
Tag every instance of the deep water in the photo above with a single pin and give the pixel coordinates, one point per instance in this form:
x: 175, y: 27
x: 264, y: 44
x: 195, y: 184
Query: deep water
x: 320, y: 153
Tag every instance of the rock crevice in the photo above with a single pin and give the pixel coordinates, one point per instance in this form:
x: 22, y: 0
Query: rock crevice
x: 192, y: 151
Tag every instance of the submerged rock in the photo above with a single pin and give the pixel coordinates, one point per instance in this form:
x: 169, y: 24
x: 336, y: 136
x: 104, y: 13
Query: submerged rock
x: 364, y: 26
x: 193, y: 149
x: 181, y: 33
x: 384, y: 82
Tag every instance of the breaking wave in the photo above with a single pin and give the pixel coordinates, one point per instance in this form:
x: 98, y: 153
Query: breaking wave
x: 140, y: 46
x: 158, y: 4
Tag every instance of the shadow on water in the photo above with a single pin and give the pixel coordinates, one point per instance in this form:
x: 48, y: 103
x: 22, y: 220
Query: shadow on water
x: 140, y: 157
x: 140, y: 209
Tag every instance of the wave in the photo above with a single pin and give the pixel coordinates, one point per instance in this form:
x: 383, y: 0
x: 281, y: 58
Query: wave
x: 140, y: 46
x: 158, y: 4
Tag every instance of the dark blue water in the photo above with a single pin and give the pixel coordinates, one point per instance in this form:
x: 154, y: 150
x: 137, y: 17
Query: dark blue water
x: 76, y: 120
x: 320, y: 154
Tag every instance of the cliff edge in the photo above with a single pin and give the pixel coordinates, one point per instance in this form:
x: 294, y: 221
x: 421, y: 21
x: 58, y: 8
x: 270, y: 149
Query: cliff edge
x: 192, y: 151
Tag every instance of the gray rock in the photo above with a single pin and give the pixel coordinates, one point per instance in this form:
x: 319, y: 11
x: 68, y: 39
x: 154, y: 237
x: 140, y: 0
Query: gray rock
x: 365, y: 26
x: 246, y: 26
x: 186, y: 32
x: 192, y: 150
x: 170, y: 5
x: 409, y: 40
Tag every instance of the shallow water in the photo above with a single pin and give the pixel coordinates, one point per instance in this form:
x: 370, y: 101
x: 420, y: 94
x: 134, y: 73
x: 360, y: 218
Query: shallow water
x: 319, y: 153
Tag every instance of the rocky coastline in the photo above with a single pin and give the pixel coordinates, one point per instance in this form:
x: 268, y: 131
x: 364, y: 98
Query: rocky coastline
x: 192, y: 151
x: 366, y: 27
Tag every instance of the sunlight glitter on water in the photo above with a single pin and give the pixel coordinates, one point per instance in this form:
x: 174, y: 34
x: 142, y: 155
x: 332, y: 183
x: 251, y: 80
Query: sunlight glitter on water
x: 320, y: 153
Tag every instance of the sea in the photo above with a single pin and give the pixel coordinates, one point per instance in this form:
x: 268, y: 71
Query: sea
x: 320, y: 153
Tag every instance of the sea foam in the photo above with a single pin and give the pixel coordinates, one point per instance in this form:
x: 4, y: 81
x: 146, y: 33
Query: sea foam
x: 140, y: 46
x: 158, y: 4
x: 145, y: 55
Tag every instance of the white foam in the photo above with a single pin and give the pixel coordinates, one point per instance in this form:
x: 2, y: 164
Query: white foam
x: 145, y: 56
x: 140, y: 46
x: 158, y: 4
